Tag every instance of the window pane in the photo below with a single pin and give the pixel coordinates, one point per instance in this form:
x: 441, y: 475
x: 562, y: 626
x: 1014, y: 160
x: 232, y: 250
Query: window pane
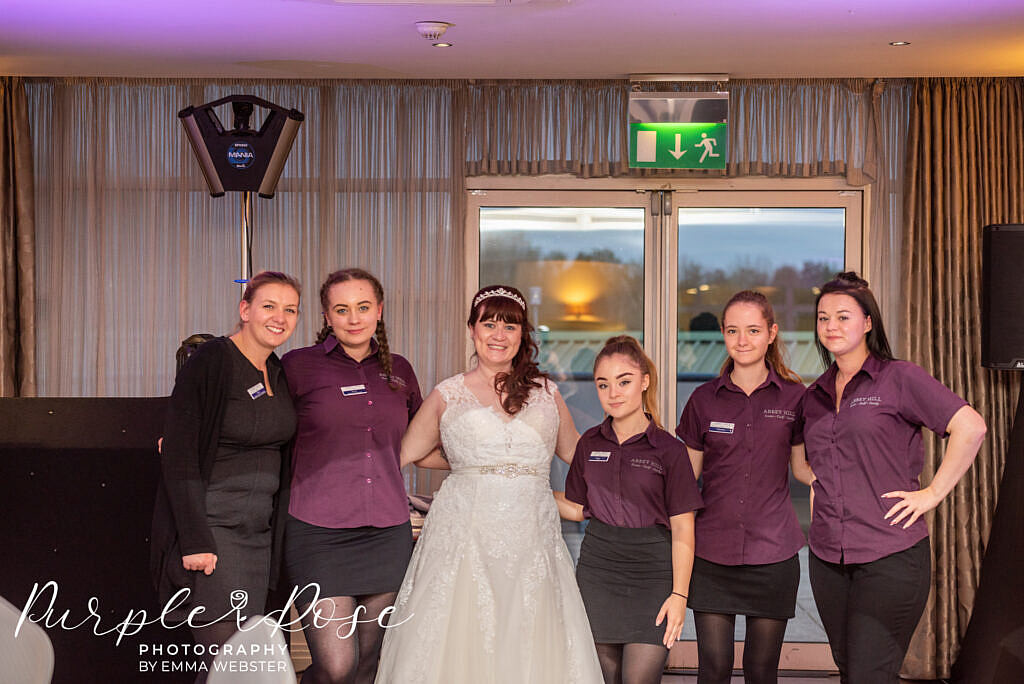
x: 785, y: 253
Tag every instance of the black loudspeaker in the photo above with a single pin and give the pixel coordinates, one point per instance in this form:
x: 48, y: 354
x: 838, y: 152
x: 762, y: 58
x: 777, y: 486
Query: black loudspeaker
x: 1002, y: 297
x: 244, y: 158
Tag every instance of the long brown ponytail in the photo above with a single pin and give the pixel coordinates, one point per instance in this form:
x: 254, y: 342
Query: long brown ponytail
x: 776, y: 354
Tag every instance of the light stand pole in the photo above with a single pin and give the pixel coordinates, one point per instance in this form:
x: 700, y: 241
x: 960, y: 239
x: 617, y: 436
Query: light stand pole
x: 246, y: 245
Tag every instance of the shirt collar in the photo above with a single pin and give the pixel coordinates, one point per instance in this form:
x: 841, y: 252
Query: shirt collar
x: 826, y: 382
x: 872, y: 366
x: 608, y: 432
x: 725, y: 381
x: 331, y: 343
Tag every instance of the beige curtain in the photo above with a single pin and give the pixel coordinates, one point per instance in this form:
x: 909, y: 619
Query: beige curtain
x: 965, y: 169
x: 799, y: 128
x: 891, y: 110
x: 17, y: 244
x: 791, y: 128
x: 544, y: 127
x: 133, y: 254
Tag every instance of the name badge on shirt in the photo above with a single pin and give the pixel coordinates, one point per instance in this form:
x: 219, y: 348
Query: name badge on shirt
x: 599, y: 456
x: 257, y: 390
x: 353, y: 390
x: 724, y: 428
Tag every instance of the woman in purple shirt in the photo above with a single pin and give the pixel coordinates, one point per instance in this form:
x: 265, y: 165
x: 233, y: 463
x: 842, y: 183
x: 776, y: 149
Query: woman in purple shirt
x: 870, y: 562
x: 348, y: 538
x: 633, y: 481
x: 742, y: 431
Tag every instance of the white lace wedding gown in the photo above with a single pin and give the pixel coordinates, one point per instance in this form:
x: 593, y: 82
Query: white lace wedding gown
x: 490, y: 596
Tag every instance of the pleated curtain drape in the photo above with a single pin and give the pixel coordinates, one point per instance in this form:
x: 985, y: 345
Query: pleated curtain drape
x: 134, y: 255
x: 796, y: 128
x: 17, y: 244
x: 965, y: 169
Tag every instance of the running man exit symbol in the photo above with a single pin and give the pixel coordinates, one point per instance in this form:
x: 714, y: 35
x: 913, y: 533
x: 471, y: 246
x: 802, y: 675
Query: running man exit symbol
x: 707, y: 143
x: 665, y: 145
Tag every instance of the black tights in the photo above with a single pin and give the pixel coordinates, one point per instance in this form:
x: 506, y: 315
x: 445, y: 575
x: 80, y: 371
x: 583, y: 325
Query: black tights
x: 632, y: 663
x: 340, y: 658
x: 216, y: 633
x: 761, y: 648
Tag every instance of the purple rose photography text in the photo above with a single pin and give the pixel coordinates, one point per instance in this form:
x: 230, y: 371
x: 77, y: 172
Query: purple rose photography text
x: 42, y: 608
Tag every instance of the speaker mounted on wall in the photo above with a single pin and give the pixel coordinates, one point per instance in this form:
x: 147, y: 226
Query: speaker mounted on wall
x: 1002, y: 297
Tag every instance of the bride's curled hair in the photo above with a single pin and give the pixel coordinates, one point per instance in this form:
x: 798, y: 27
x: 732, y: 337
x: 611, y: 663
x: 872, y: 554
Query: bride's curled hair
x: 506, y: 304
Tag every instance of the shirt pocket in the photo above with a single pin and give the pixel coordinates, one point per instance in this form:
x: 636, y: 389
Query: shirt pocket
x: 718, y: 441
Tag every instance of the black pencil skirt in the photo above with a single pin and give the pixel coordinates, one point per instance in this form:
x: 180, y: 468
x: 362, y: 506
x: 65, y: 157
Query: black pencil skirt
x: 767, y: 591
x: 625, y: 575
x: 348, y: 561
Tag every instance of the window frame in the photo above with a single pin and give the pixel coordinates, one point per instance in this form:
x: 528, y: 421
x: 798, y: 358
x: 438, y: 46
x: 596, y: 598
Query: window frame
x: 661, y: 239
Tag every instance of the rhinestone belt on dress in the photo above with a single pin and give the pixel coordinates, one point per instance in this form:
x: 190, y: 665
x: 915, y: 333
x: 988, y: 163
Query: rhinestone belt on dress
x: 505, y: 469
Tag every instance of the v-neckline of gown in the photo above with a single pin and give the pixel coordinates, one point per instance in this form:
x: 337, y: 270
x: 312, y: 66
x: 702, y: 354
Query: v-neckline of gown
x: 500, y: 415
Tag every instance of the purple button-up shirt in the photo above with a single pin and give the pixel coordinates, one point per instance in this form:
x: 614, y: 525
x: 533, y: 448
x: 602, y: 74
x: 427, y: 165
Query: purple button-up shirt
x: 345, y: 462
x: 748, y: 518
x: 871, y: 446
x: 639, y: 483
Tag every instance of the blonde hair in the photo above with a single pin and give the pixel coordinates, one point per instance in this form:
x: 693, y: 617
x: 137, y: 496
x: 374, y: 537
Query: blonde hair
x: 630, y: 348
x: 266, y: 278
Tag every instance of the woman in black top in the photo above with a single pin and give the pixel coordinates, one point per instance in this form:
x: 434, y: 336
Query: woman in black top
x: 229, y: 416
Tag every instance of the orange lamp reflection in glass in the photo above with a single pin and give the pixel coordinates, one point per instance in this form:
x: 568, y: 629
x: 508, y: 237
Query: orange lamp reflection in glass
x: 571, y: 289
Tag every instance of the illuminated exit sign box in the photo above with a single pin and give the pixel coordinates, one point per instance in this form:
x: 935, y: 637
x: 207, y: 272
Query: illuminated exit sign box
x: 678, y: 130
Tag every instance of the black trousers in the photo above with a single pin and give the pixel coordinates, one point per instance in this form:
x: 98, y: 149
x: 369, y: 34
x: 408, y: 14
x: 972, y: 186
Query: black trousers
x: 870, y: 610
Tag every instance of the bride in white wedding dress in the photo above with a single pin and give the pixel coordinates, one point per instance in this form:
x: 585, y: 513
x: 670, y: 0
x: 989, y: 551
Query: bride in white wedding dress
x: 490, y: 596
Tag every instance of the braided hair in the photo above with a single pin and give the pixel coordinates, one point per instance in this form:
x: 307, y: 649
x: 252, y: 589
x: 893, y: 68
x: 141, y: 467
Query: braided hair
x: 381, y: 333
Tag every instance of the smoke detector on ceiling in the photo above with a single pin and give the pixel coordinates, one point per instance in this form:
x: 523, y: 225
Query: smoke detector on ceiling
x: 432, y: 30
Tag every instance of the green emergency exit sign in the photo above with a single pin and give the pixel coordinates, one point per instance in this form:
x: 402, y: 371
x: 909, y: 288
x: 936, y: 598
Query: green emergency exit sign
x: 677, y: 145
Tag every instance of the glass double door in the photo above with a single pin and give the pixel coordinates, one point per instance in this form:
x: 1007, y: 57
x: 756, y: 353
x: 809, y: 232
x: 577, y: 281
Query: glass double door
x: 659, y: 265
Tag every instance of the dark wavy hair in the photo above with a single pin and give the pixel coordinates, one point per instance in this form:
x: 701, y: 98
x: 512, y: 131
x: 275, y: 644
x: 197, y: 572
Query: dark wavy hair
x: 630, y: 348
x: 525, y: 374
x: 775, y: 356
x: 381, y: 333
x: 849, y: 283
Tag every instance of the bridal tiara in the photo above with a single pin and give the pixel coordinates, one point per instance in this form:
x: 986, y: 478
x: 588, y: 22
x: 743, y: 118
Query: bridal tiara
x: 499, y: 292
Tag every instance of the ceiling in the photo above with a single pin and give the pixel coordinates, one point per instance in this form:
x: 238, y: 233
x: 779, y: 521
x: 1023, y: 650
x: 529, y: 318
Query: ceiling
x: 511, y: 38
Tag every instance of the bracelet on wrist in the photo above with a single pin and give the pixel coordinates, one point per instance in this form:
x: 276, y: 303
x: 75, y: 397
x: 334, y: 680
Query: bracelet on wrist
x: 676, y: 593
